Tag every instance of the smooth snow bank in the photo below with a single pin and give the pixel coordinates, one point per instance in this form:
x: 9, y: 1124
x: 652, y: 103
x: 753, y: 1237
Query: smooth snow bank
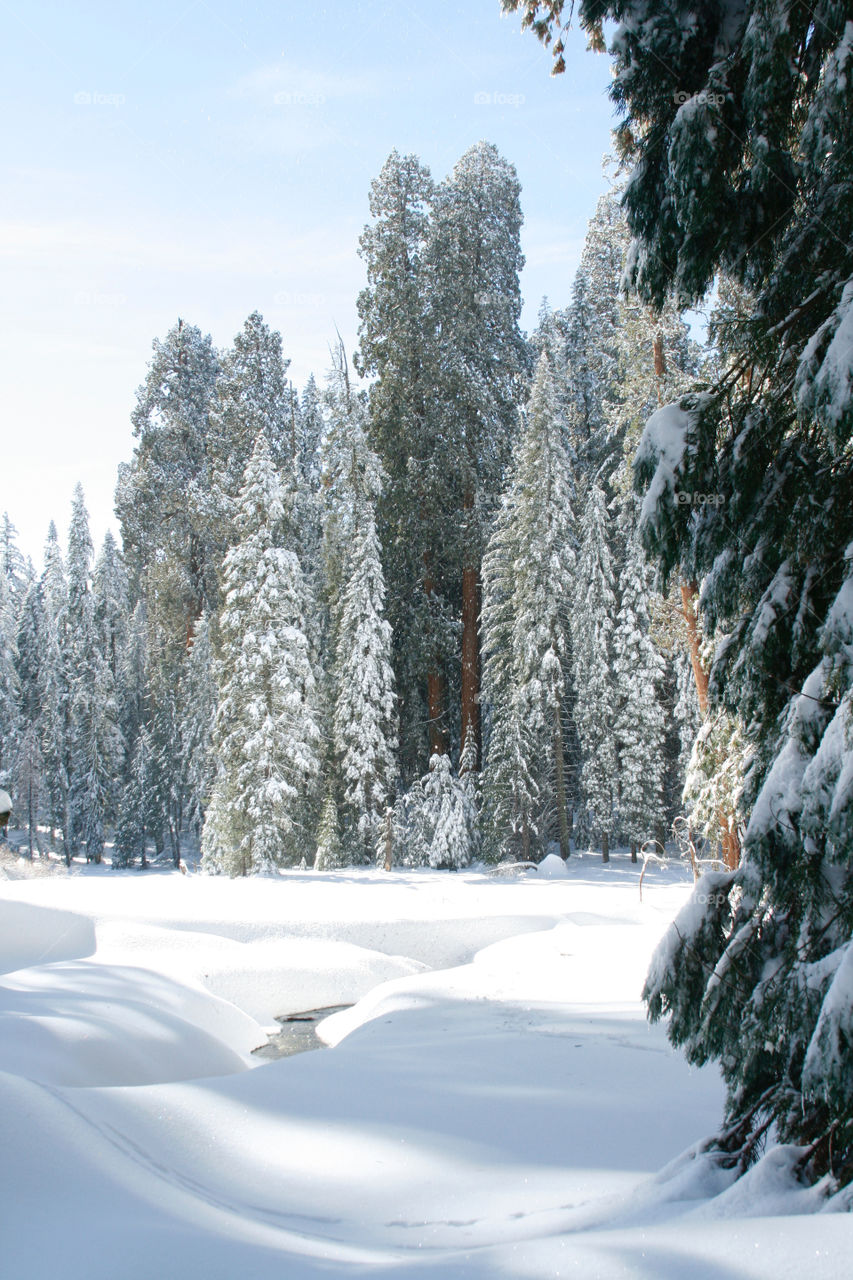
x: 31, y: 934
x: 504, y: 1113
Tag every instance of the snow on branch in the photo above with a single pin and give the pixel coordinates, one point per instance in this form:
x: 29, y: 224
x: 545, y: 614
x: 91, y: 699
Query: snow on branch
x: 824, y: 384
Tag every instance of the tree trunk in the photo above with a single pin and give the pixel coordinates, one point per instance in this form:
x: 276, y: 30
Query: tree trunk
x: 605, y: 847
x: 689, y: 592
x: 435, y: 695
x: 31, y: 815
x: 435, y: 686
x: 731, y: 846
x: 471, y: 659
x: 728, y: 836
x: 633, y: 851
x: 67, y: 844
x: 389, y: 846
x: 560, y: 785
x: 659, y: 363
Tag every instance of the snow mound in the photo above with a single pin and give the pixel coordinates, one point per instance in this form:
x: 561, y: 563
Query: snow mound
x: 32, y: 934
x: 265, y: 978
x: 552, y: 867
x: 83, y: 1024
x: 771, y: 1188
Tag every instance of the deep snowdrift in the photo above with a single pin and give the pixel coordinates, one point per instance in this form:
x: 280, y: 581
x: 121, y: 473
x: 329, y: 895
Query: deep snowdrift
x: 494, y: 1105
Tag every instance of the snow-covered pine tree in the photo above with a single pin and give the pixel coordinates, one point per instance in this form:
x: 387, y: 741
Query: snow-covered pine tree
x: 110, y: 603
x: 639, y: 721
x: 446, y: 816
x: 592, y: 626
x: 266, y: 738
x: 198, y: 700
x: 592, y: 326
x: 474, y: 259
x: 352, y: 477
x: 312, y: 429
x: 9, y: 684
x: 329, y: 852
x: 55, y: 682
x: 18, y: 570
x: 96, y: 745
x: 29, y: 765
x: 136, y: 820
x: 365, y: 718
x: 170, y: 523
x: 741, y: 164
x: 398, y: 346
x: 528, y: 578
x: 139, y: 815
x: 253, y: 397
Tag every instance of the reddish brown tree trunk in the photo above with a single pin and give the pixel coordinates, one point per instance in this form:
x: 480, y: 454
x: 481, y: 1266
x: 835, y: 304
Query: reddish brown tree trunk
x: 728, y: 835
x: 660, y: 364
x: 689, y: 592
x: 471, y: 659
x: 435, y: 697
x: 435, y: 687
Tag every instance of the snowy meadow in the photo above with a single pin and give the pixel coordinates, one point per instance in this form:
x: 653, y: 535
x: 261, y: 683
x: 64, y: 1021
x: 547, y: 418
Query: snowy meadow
x: 494, y: 1103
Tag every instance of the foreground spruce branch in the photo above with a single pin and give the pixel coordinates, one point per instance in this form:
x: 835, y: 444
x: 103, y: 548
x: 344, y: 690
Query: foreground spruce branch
x: 737, y: 132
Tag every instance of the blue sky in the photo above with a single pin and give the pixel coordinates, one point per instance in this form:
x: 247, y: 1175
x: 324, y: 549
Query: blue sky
x: 209, y: 157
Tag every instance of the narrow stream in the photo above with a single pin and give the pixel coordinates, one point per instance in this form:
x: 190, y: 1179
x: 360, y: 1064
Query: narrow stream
x: 297, y: 1034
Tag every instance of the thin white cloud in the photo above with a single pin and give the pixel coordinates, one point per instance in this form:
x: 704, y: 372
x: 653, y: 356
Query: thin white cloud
x: 288, y: 84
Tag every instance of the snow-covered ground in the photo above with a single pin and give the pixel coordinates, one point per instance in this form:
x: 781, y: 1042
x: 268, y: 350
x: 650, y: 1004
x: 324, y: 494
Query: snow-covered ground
x: 493, y: 1105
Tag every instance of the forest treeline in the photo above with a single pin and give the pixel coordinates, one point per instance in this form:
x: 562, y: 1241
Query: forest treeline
x: 405, y: 614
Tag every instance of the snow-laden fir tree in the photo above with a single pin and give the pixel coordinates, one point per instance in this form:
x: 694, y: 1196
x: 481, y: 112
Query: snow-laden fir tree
x: 137, y: 819
x: 329, y: 851
x: 18, y: 570
x: 592, y: 627
x: 365, y: 718
x: 592, y: 323
x: 740, y: 158
x: 110, y: 604
x: 639, y: 721
x: 312, y: 428
x: 446, y: 817
x: 528, y: 577
x: 29, y: 765
x: 474, y: 258
x: 253, y: 396
x: 55, y: 690
x: 398, y: 346
x: 165, y: 498
x: 9, y: 684
x: 139, y: 814
x: 97, y: 747
x: 352, y: 480
x: 198, y: 699
x: 266, y: 738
